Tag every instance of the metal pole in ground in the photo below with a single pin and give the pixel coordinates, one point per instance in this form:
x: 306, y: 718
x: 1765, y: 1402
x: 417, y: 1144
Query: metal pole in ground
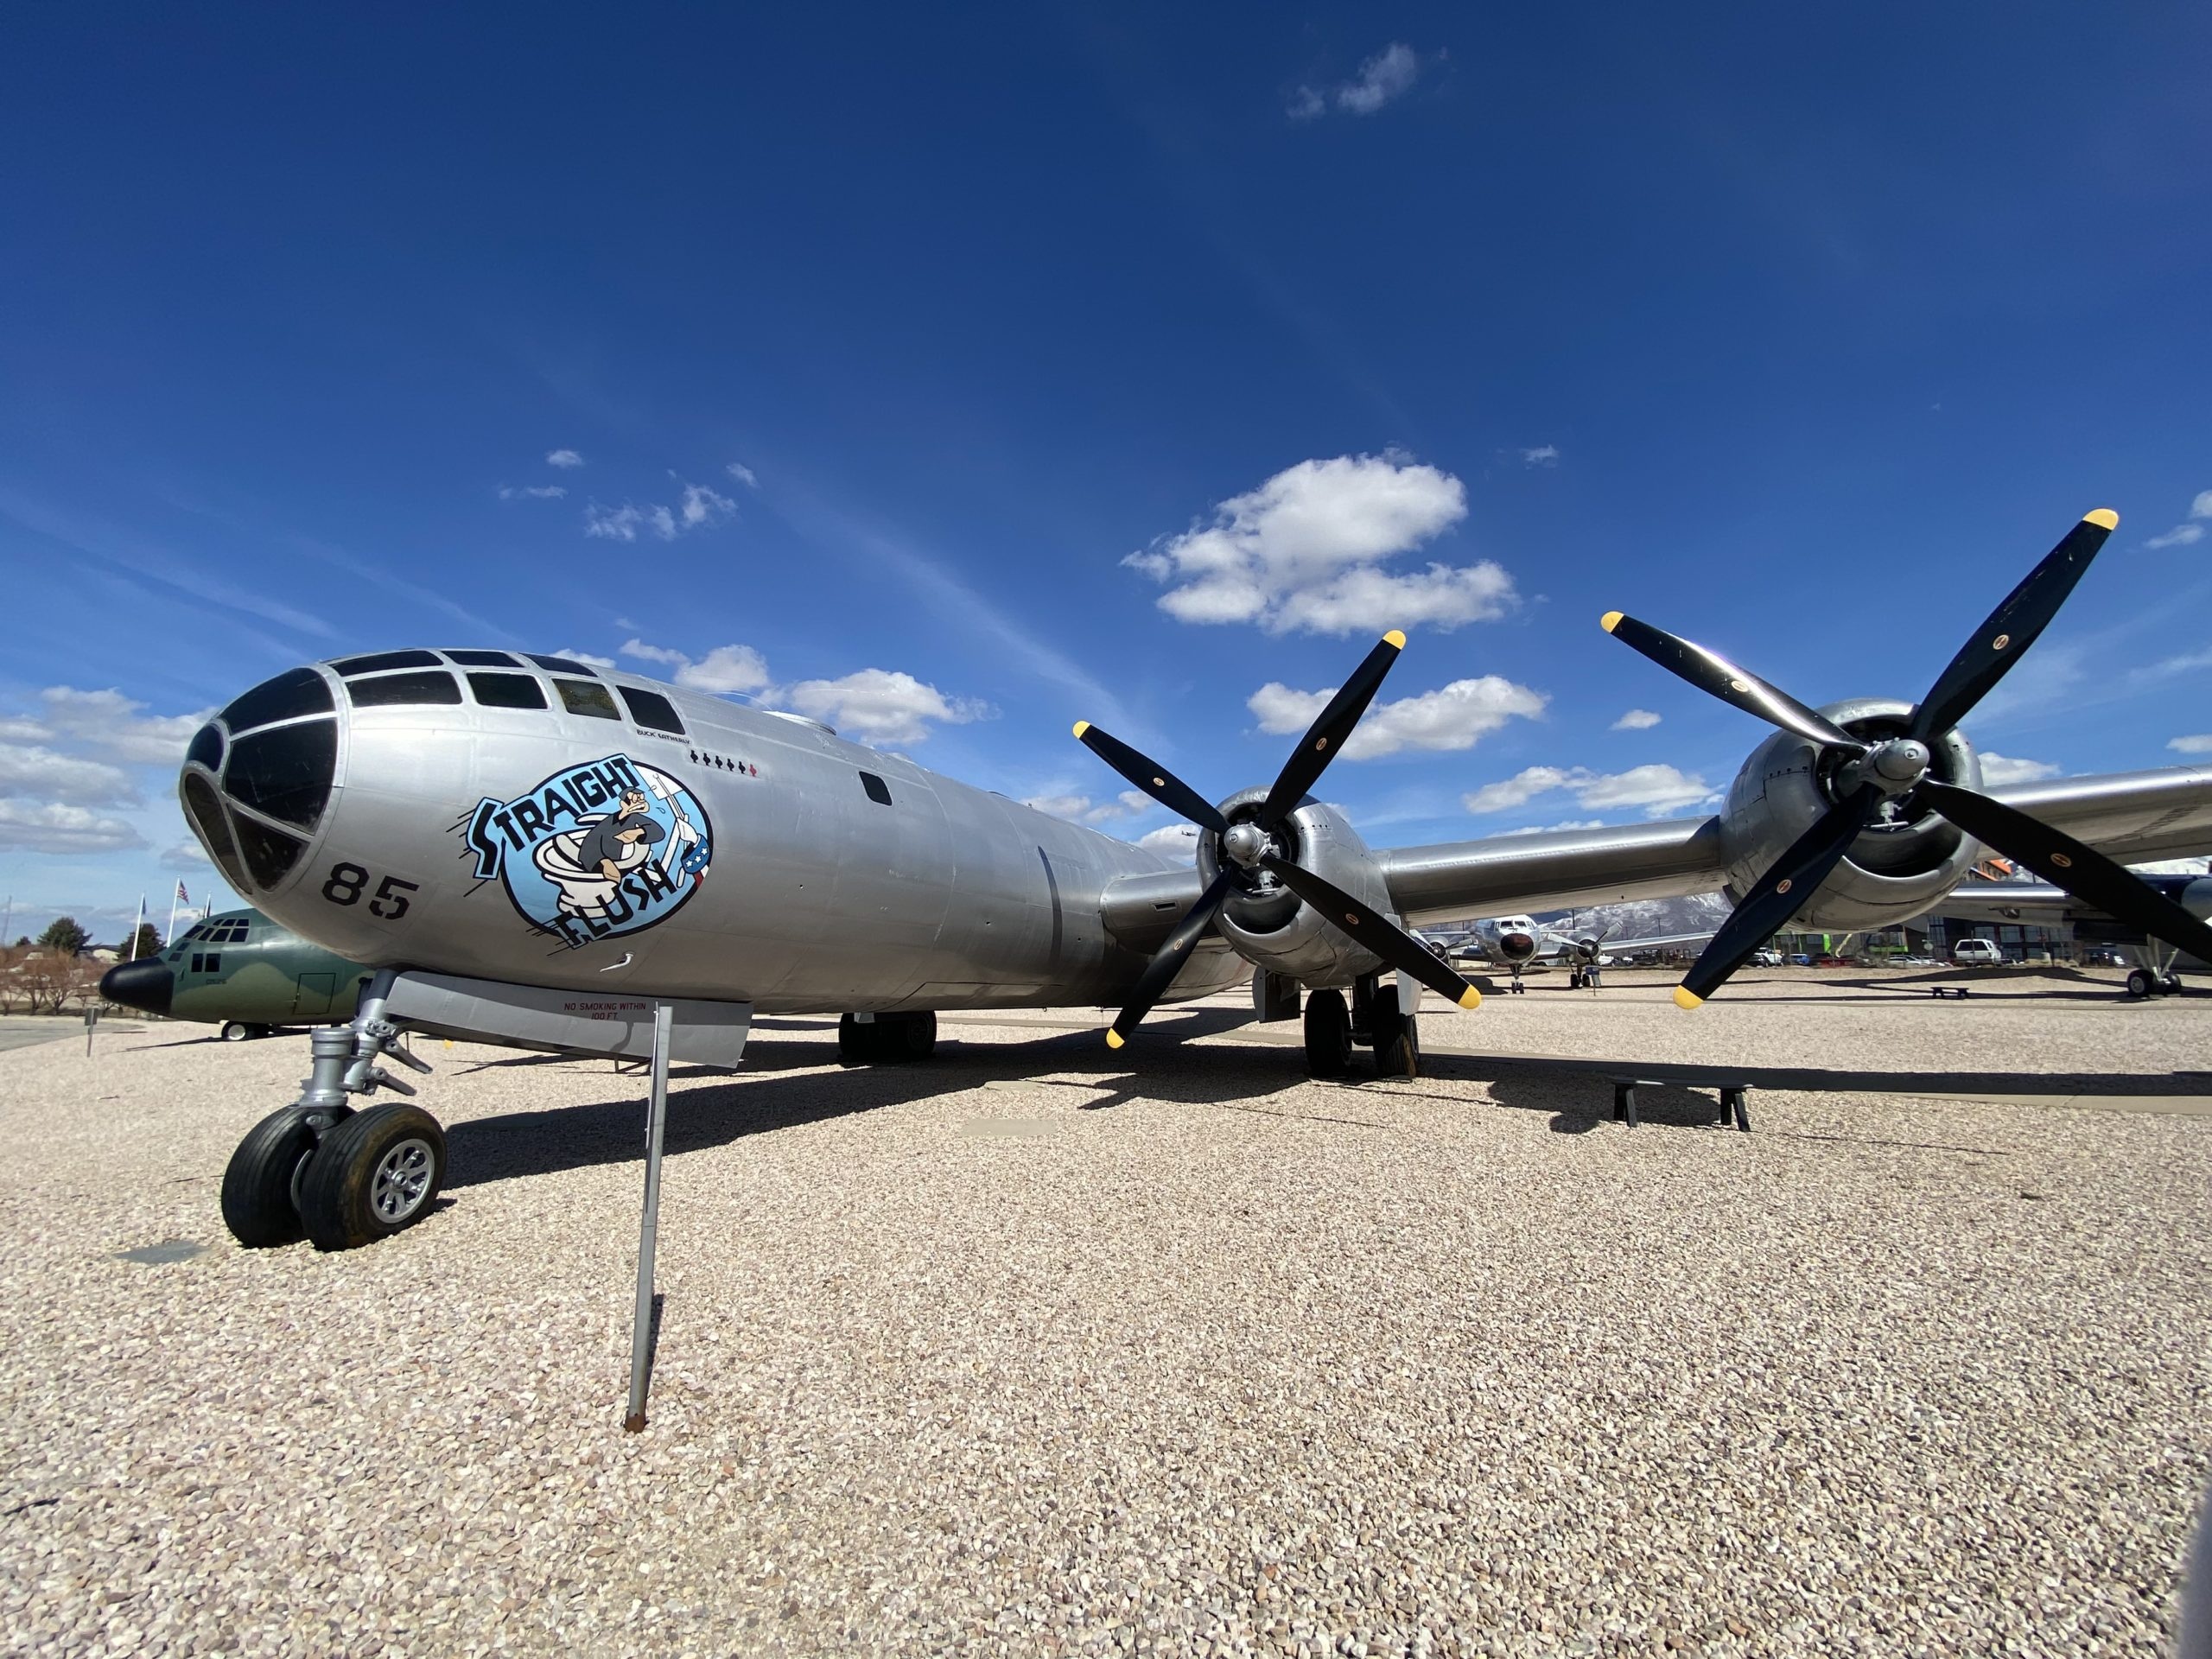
x: 641, y: 1327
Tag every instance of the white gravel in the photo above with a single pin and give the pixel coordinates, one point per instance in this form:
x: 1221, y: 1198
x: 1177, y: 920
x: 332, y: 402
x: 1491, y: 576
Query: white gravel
x: 1037, y: 1349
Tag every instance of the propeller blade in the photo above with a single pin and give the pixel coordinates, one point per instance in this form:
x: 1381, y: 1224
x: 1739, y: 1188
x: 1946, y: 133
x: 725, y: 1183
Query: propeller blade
x: 2065, y: 862
x: 1153, y: 778
x: 1375, y: 930
x: 1709, y: 672
x: 1327, y: 734
x: 2011, y: 627
x: 1169, y: 960
x: 1781, y: 892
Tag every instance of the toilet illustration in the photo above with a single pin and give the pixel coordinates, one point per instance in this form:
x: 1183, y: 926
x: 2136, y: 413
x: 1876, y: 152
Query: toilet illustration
x: 585, y: 892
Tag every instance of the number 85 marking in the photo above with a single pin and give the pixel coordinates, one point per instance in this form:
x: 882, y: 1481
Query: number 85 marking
x: 388, y: 902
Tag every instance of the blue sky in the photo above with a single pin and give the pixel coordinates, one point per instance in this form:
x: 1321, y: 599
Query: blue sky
x: 882, y: 339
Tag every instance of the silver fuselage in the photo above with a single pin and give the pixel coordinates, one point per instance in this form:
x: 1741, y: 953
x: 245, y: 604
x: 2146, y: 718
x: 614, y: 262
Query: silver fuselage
x: 818, y: 895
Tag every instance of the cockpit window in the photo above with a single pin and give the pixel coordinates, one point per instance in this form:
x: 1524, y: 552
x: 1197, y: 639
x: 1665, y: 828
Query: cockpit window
x: 484, y: 659
x: 300, y: 691
x: 384, y: 659
x: 269, y: 854
x: 560, y: 664
x: 587, y: 697
x: 507, y: 690
x: 651, y: 710
x: 206, y: 748
x: 390, y: 689
x: 284, y: 773
x: 213, y: 824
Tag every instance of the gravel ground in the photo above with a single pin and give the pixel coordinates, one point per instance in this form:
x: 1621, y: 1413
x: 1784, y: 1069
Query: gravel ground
x: 1037, y: 1349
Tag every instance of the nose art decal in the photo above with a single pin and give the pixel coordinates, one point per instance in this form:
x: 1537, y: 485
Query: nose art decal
x: 595, y: 851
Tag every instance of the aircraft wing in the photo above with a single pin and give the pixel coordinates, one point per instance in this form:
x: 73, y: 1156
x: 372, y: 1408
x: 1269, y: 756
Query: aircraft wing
x: 2134, y: 817
x: 1629, y: 947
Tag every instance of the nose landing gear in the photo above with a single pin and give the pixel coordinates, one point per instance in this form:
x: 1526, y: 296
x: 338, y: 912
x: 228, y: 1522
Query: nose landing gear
x: 320, y: 1169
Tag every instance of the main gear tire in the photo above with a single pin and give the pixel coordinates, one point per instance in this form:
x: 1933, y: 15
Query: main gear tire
x: 2141, y: 983
x: 1328, y: 1035
x: 1397, y: 1039
x: 375, y: 1174
x: 261, y: 1185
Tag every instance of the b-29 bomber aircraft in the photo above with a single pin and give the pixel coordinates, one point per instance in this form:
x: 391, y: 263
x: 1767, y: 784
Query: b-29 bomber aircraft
x: 529, y: 851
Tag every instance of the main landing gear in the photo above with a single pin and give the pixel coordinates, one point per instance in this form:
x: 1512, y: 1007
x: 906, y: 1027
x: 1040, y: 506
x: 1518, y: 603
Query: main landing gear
x: 322, y: 1169
x: 2142, y: 982
x: 886, y: 1038
x: 1332, y: 1030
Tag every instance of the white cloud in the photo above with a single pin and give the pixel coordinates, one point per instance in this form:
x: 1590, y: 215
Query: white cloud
x: 1656, y: 788
x: 1547, y: 829
x: 585, y: 657
x: 879, y: 706
x: 563, y: 458
x: 725, y: 669
x: 1544, y: 454
x: 1172, y: 838
x: 1454, y: 717
x: 533, y: 492
x: 186, y: 855
x: 2003, y: 769
x: 33, y: 770
x: 698, y: 507
x: 1388, y: 74
x: 2200, y: 744
x: 702, y: 505
x: 1305, y: 551
x: 1637, y: 720
x: 1516, y: 790
x: 2200, y: 510
x: 110, y: 724
x: 1080, y: 809
x: 51, y: 827
x: 744, y: 474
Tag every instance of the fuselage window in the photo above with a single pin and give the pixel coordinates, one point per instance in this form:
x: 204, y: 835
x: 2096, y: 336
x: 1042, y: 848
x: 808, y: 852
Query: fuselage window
x: 300, y: 691
x: 484, y: 659
x: 560, y: 664
x: 390, y: 689
x: 878, y: 790
x: 507, y: 690
x: 384, y: 659
x: 584, y: 697
x: 199, y: 962
x: 651, y: 710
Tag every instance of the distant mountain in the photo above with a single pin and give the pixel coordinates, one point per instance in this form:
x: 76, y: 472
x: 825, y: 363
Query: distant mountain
x: 1644, y: 918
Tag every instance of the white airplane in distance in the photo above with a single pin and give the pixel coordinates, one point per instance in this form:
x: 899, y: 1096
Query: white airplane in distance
x: 1515, y: 942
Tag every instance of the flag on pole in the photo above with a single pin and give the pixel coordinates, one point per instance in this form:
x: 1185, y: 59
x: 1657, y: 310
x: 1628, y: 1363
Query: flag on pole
x: 182, y: 897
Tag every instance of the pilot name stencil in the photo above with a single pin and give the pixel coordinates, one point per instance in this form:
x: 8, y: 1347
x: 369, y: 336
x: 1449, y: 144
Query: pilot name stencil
x: 595, y: 851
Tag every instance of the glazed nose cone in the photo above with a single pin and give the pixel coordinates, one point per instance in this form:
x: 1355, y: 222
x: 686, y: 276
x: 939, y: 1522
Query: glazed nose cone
x: 145, y: 986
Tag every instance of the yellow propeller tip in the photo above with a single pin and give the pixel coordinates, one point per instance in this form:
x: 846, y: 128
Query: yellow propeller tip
x: 1686, y: 998
x: 1113, y: 1039
x: 1081, y: 727
x: 1395, y: 640
x: 1610, y: 620
x: 1471, y: 998
x: 2103, y: 518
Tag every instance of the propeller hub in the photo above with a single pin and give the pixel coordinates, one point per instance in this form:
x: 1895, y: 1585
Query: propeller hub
x: 1246, y: 843
x: 1897, y: 764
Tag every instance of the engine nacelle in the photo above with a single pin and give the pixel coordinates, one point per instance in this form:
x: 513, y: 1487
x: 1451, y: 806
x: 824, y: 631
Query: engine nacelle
x: 1270, y: 926
x: 1905, y: 862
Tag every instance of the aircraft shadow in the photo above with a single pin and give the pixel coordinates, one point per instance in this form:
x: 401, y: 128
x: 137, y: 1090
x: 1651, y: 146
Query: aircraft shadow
x: 784, y: 1086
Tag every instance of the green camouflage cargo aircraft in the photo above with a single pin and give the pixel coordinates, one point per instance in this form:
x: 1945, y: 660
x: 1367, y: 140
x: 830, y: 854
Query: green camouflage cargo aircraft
x: 243, y: 972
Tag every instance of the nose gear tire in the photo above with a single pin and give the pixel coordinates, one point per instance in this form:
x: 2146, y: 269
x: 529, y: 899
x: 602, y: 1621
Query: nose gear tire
x: 375, y: 1174
x: 257, y: 1185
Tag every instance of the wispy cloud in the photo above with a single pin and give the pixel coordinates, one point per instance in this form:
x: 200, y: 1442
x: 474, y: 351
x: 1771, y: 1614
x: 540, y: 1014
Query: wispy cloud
x: 563, y: 458
x: 1637, y: 720
x: 744, y: 474
x: 697, y: 507
x: 51, y: 827
x: 2199, y: 744
x: 1544, y: 454
x: 1389, y: 74
x: 2005, y: 769
x: 532, y: 493
x: 2190, y: 530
